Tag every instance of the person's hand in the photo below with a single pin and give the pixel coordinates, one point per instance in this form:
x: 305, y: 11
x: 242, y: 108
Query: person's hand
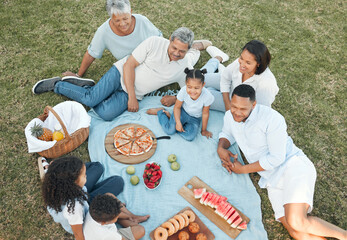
x: 168, y: 100
x: 179, y: 127
x: 237, y: 167
x: 68, y: 73
x: 133, y: 105
x: 225, y: 155
x: 206, y: 133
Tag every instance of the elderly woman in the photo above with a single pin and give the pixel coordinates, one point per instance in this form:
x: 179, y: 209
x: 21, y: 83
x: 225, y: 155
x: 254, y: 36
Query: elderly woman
x: 250, y: 68
x: 120, y: 34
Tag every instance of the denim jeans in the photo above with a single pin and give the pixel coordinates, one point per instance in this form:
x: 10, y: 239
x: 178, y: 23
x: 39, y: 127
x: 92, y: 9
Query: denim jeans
x: 113, y: 184
x: 191, y: 125
x: 212, y: 80
x: 107, y: 97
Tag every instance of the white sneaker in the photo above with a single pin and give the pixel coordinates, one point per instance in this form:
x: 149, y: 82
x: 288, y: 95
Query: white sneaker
x: 216, y: 52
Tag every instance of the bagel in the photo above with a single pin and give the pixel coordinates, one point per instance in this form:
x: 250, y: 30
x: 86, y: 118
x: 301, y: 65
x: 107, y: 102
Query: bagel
x: 169, y: 227
x: 191, y: 215
x: 186, y: 219
x: 160, y: 234
x: 180, y: 220
x: 175, y: 224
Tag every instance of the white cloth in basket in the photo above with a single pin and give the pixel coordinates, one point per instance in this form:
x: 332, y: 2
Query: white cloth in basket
x: 73, y: 115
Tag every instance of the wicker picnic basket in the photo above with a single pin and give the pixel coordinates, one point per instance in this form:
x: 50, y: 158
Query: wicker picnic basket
x: 66, y: 145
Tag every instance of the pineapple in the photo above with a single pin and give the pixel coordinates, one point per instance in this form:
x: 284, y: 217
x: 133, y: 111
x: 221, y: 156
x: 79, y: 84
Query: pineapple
x: 41, y: 133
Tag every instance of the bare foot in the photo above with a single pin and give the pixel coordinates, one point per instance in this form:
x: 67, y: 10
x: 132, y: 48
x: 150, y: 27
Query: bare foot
x: 167, y: 113
x: 140, y: 219
x: 168, y: 100
x: 154, y: 111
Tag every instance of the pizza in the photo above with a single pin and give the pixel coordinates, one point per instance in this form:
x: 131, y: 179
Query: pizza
x: 133, y: 141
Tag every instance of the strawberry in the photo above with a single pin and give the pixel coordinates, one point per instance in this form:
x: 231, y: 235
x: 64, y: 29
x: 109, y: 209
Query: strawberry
x: 146, y: 181
x: 157, y: 167
x: 144, y: 175
x: 160, y: 173
x: 150, y: 185
x: 154, y: 173
x: 148, y: 166
x: 154, y: 178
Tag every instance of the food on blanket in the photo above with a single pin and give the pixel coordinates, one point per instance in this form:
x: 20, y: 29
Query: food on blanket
x: 194, y: 227
x: 191, y: 215
x: 180, y: 220
x: 186, y: 219
x: 132, y: 141
x: 198, y: 192
x: 41, y: 133
x: 242, y: 226
x: 172, y: 158
x: 160, y: 234
x: 169, y: 227
x: 201, y: 236
x: 152, y: 175
x: 223, y: 208
x: 175, y: 166
x: 183, y: 235
x: 134, y: 180
x: 130, y: 170
x: 175, y: 224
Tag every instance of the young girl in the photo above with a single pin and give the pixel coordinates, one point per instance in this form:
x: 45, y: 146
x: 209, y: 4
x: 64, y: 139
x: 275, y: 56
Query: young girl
x: 192, y: 106
x: 66, y: 187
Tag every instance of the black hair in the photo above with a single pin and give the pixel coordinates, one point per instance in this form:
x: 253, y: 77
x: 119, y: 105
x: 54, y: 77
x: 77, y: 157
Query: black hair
x: 105, y: 208
x: 195, y: 73
x: 59, y: 184
x: 244, y: 90
x: 261, y: 54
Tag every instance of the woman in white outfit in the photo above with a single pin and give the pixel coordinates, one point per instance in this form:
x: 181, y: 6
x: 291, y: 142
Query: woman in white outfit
x: 250, y: 68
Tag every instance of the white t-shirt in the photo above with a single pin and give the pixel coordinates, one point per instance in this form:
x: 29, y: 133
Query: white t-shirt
x: 264, y: 84
x: 66, y: 219
x: 194, y: 107
x: 155, y: 69
x: 93, y: 230
x: 121, y: 46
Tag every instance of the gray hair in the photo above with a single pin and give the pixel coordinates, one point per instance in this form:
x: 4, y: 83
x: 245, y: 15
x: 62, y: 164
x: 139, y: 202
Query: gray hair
x: 117, y: 7
x: 183, y: 34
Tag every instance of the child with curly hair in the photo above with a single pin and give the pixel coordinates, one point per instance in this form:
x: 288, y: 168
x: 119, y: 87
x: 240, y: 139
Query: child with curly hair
x: 104, y: 211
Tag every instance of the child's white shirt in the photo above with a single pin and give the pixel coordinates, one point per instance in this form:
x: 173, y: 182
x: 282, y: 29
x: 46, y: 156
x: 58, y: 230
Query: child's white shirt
x: 93, y: 230
x: 194, y: 107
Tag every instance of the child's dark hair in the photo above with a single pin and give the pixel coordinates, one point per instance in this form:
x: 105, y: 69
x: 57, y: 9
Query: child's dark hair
x: 59, y: 184
x: 195, y: 73
x: 105, y: 208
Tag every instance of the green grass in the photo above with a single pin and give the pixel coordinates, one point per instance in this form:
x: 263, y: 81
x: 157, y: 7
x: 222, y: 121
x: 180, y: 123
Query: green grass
x: 40, y: 39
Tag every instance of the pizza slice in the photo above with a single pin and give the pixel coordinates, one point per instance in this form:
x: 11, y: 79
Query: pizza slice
x: 119, y: 142
x: 139, y: 132
x: 136, y: 149
x: 125, y: 149
x: 120, y: 134
x: 145, y: 142
x: 130, y: 132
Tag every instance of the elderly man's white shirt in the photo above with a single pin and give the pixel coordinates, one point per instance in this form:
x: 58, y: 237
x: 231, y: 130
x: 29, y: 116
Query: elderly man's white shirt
x: 262, y: 137
x: 155, y: 69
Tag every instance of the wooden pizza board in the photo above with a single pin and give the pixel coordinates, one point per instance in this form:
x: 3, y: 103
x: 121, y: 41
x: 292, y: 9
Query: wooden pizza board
x: 187, y: 193
x: 114, y: 154
x: 203, y: 228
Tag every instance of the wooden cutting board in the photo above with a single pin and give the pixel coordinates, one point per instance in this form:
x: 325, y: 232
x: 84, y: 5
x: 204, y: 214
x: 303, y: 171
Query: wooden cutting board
x: 187, y: 193
x: 114, y: 154
x: 203, y: 228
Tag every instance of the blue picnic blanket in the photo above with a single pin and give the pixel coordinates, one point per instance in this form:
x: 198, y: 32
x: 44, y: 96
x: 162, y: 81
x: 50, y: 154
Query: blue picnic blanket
x: 197, y: 158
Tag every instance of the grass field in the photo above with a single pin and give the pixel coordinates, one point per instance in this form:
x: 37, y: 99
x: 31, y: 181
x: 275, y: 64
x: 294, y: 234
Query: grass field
x: 44, y: 38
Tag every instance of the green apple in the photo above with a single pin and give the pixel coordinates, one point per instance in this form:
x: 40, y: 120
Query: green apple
x: 130, y: 170
x: 175, y: 166
x: 134, y: 180
x: 172, y: 158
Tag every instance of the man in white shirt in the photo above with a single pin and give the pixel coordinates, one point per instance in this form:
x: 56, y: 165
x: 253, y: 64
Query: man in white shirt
x: 286, y: 172
x: 155, y: 63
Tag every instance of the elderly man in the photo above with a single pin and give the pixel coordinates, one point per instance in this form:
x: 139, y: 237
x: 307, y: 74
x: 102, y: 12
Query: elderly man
x: 155, y: 63
x: 286, y: 172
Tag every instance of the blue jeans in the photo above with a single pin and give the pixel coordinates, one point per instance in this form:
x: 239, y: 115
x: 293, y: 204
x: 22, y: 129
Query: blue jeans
x: 113, y: 184
x: 191, y: 125
x: 212, y: 80
x: 107, y: 97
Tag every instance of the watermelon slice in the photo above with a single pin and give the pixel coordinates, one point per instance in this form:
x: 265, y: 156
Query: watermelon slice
x: 242, y: 226
x: 233, y: 217
x: 220, y: 208
x: 214, y: 201
x: 229, y: 213
x: 214, y: 195
x: 198, y: 192
x: 208, y: 199
x: 236, y: 222
x: 225, y: 210
x: 203, y: 197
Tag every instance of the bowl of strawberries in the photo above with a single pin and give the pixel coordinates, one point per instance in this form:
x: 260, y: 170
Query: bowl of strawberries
x: 152, y: 175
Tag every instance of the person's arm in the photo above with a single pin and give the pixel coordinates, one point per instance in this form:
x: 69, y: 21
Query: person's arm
x: 205, y: 116
x: 78, y: 231
x: 177, y: 115
x: 226, y: 100
x: 86, y: 62
x: 168, y: 100
x: 238, y: 168
x: 129, y: 81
